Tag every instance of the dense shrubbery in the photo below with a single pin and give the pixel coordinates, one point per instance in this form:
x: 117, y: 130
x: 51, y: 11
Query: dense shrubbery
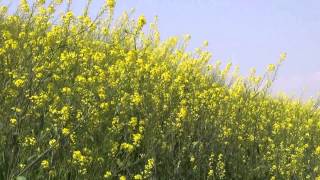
x: 92, y: 99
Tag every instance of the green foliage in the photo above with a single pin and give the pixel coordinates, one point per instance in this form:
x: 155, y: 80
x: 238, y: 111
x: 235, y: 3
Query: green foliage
x: 85, y: 98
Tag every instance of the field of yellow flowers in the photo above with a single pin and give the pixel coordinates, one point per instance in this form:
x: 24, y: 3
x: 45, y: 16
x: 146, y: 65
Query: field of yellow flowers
x: 104, y: 98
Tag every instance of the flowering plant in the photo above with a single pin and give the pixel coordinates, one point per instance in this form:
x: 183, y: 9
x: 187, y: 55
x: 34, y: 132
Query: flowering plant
x: 94, y: 98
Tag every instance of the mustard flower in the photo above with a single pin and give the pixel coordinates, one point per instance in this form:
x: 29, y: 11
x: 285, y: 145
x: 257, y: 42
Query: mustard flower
x: 13, y: 121
x: 19, y: 82
x: 111, y: 3
x: 183, y: 112
x: 30, y: 141
x: 141, y: 21
x: 283, y: 56
x: 53, y: 143
x: 137, y: 177
x: 136, y: 139
x: 317, y: 151
x: 271, y: 67
x: 136, y: 98
x: 127, y: 147
x: 24, y: 5
x: 210, y: 173
x: 104, y: 106
x: 107, y: 174
x: 41, y: 2
x: 133, y: 122
x: 205, y: 43
x: 45, y: 164
x: 65, y: 131
x: 66, y: 90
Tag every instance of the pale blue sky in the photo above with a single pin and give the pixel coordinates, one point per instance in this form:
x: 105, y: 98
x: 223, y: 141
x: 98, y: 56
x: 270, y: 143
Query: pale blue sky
x: 246, y: 32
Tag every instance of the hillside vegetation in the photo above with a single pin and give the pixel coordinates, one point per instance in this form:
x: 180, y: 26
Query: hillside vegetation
x: 105, y: 98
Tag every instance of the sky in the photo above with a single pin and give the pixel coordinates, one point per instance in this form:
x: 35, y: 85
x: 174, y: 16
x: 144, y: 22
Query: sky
x: 248, y: 33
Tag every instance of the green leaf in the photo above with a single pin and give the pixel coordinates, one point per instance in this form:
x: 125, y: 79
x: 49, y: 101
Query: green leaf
x: 21, y: 178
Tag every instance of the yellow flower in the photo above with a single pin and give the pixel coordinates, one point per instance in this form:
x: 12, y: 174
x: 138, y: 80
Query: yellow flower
x: 148, y: 167
x: 65, y: 131
x: 13, y: 121
x: 41, y: 2
x: 53, y: 143
x: 19, y: 82
x: 45, y: 164
x: 111, y: 3
x: 133, y: 122
x: 66, y: 90
x: 166, y: 76
x: 107, y: 174
x: 317, y: 151
x: 98, y: 56
x: 271, y: 68
x: 127, y: 147
x: 39, y: 75
x: 11, y: 44
x: 150, y: 164
x: 141, y: 21
x: 76, y: 155
x: 24, y: 5
x: 122, y: 178
x: 58, y: 1
x: 30, y: 140
x: 205, y: 43
x: 138, y: 177
x: 79, y: 158
x: 65, y: 110
x: 283, y: 56
x: 104, y: 106
x: 136, y: 98
x: 2, y: 51
x: 68, y: 16
x: 101, y: 93
x: 3, y: 9
x: 183, y: 112
x: 210, y: 173
x: 136, y: 138
x: 22, y: 166
x: 80, y: 79
x: 192, y: 159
